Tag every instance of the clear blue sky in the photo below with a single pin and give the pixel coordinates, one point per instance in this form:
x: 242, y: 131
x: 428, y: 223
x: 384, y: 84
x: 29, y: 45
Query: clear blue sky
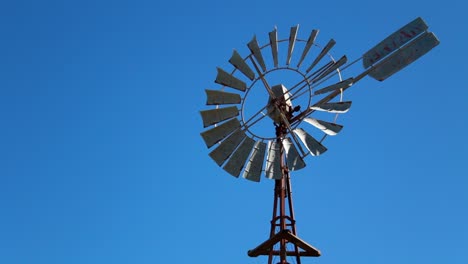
x: 101, y: 160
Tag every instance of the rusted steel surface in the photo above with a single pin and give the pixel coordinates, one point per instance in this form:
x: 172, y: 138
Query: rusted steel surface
x: 265, y: 247
x: 394, y: 41
x: 283, y: 225
x: 279, y: 94
x: 302, y: 244
x: 404, y: 57
x: 294, y: 253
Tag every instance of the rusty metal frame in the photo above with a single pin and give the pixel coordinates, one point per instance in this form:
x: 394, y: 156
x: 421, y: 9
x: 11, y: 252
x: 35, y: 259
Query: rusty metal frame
x: 283, y: 219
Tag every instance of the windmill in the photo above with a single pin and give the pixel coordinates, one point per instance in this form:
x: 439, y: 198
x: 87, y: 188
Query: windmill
x: 248, y: 138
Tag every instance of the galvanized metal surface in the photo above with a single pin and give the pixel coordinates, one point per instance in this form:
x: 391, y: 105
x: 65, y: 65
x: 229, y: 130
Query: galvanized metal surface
x: 227, y: 79
x: 274, y: 46
x: 257, y: 53
x: 338, y: 107
x: 239, y: 157
x: 308, y: 45
x: 294, y: 161
x: 227, y: 147
x: 322, y: 54
x: 292, y: 41
x: 253, y: 169
x: 315, y: 147
x: 215, y: 97
x: 327, y: 127
x: 239, y: 63
x: 394, y: 41
x: 214, y: 116
x: 342, y: 61
x: 216, y: 134
x: 273, y: 161
x: 405, y: 56
x: 337, y: 86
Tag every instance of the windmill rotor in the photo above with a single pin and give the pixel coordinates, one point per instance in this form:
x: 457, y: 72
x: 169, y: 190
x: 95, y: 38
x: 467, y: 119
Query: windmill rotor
x: 238, y: 147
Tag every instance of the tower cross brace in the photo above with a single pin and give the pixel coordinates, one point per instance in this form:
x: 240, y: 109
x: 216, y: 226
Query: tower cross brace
x: 283, y: 224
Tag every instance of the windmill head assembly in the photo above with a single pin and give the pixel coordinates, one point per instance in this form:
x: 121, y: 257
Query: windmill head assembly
x: 266, y: 120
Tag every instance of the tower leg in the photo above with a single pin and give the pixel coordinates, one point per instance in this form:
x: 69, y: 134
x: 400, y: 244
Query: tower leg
x: 283, y: 225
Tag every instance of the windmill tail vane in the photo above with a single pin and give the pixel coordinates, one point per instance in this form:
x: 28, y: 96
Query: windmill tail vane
x: 237, y: 134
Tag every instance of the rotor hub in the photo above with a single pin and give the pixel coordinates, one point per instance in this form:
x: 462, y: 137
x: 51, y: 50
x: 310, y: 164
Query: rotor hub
x: 279, y: 105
